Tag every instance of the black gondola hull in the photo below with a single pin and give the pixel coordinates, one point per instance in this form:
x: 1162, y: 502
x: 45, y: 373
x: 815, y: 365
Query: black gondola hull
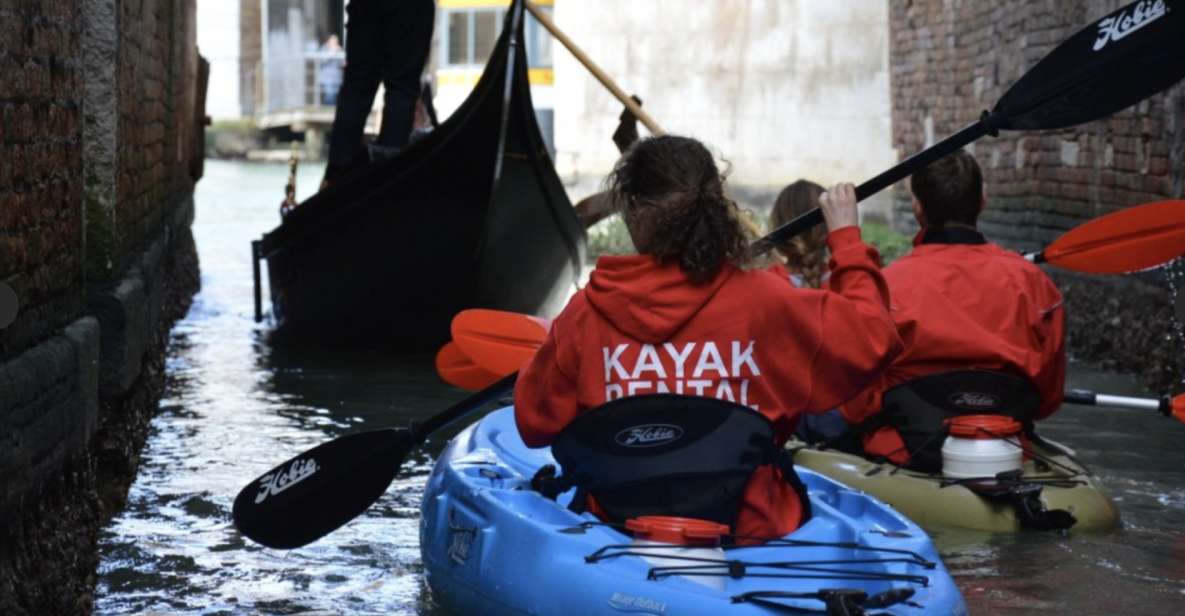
x: 473, y: 215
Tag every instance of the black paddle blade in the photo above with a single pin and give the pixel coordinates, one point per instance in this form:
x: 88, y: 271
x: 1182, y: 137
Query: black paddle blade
x: 1110, y: 65
x: 318, y: 491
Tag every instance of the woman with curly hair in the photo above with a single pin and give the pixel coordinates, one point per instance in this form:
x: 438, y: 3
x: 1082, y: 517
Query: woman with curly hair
x: 687, y: 316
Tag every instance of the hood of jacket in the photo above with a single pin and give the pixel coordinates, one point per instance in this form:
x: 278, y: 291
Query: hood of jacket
x: 646, y: 300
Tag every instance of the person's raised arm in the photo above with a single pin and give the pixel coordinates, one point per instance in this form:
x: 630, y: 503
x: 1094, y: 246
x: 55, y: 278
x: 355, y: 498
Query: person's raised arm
x: 859, y: 339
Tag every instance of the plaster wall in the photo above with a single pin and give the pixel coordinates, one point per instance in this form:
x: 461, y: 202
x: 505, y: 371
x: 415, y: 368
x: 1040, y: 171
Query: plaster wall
x: 781, y: 89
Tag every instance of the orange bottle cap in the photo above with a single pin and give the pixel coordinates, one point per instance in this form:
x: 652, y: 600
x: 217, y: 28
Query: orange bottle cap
x: 983, y: 426
x: 677, y: 531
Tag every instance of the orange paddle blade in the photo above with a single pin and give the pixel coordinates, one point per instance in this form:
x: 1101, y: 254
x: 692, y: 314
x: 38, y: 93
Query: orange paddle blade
x: 499, y: 341
x: 458, y: 370
x: 1178, y: 408
x: 1129, y: 240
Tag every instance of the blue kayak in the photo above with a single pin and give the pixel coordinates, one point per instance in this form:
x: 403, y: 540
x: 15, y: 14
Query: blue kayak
x: 491, y: 545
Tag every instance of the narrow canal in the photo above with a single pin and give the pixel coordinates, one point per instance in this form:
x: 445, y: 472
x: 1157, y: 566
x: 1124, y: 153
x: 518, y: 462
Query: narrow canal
x: 235, y: 406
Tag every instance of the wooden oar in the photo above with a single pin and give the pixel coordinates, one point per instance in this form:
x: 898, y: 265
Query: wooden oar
x: 318, y: 491
x: 636, y: 109
x: 1165, y: 405
x: 458, y: 370
x: 607, y: 81
x: 1129, y: 240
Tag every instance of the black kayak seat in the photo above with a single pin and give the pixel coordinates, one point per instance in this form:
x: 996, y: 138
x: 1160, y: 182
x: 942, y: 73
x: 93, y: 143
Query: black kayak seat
x: 919, y: 409
x: 668, y: 454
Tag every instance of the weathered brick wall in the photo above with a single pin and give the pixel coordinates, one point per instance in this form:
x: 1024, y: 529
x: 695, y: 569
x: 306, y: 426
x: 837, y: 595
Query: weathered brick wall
x: 98, y: 123
x: 157, y: 75
x: 41, y: 231
x: 43, y: 238
x: 950, y: 60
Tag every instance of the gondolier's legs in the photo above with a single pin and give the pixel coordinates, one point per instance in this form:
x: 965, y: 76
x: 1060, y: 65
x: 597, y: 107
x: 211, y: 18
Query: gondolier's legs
x: 389, y: 44
x: 407, y: 51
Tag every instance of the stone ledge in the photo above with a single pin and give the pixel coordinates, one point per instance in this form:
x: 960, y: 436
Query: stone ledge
x: 130, y: 311
x: 48, y: 408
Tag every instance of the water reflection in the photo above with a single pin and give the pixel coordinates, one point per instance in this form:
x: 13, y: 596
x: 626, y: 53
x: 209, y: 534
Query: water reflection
x: 235, y: 406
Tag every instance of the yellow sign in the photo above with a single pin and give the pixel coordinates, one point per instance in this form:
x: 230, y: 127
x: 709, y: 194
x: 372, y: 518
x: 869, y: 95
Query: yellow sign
x: 467, y: 77
x: 477, y: 4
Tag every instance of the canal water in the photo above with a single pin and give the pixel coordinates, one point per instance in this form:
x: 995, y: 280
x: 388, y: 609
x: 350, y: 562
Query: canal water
x: 235, y: 406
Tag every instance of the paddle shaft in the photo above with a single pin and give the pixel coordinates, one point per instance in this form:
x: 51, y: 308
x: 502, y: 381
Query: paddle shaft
x: 596, y: 71
x: 895, y: 174
x: 1162, y: 405
x: 463, y: 408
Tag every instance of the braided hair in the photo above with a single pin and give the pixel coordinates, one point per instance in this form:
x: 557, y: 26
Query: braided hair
x: 805, y: 254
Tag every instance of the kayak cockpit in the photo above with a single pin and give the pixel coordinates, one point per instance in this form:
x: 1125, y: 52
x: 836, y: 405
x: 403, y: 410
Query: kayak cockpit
x: 489, y: 539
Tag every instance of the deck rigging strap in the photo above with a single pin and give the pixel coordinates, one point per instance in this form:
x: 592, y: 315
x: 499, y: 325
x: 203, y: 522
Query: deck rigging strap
x: 838, y: 601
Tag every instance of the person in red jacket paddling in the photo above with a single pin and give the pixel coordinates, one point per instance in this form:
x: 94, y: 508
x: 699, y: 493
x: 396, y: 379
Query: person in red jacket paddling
x: 685, y: 316
x: 961, y: 303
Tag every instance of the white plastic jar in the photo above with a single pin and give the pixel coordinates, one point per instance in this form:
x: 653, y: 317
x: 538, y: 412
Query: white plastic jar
x: 982, y: 446
x: 671, y: 542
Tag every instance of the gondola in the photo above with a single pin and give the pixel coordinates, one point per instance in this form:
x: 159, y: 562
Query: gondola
x: 472, y: 215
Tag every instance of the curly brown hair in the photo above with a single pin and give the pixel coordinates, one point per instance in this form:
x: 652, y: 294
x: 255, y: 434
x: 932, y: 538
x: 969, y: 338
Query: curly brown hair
x: 671, y: 196
x: 806, y: 254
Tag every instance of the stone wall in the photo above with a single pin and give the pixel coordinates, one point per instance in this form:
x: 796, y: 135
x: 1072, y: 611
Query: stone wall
x: 952, y: 59
x: 99, y: 120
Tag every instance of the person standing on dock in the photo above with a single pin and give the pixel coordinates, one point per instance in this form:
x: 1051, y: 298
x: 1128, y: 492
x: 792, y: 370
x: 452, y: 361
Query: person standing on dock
x: 387, y: 42
x: 961, y: 303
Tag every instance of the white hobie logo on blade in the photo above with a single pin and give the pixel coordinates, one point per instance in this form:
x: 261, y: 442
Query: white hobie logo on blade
x: 649, y: 435
x: 1119, y: 26
x: 274, y: 483
x: 974, y: 400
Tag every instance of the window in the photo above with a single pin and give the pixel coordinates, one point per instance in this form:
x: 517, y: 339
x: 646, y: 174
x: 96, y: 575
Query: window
x: 472, y: 33
x: 538, y: 42
x: 458, y: 38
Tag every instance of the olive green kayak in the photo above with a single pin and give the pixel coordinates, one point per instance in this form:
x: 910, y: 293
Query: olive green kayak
x: 936, y: 502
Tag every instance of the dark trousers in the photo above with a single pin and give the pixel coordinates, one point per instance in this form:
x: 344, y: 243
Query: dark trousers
x: 387, y: 41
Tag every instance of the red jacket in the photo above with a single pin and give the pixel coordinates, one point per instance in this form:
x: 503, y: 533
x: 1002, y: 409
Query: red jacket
x: 960, y: 305
x: 746, y: 336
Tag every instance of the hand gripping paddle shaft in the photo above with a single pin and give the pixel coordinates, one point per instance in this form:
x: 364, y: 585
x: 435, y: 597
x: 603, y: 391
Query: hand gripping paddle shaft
x: 1110, y: 65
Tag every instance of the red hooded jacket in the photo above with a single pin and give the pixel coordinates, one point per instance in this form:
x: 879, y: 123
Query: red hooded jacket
x: 961, y: 303
x: 746, y: 336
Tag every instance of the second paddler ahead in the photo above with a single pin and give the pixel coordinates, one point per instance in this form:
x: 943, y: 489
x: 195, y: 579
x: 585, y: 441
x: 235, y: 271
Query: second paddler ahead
x: 687, y: 316
x: 980, y: 323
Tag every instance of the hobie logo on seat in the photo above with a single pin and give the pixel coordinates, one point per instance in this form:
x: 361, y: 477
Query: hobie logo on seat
x: 649, y: 435
x: 1123, y: 24
x: 974, y: 400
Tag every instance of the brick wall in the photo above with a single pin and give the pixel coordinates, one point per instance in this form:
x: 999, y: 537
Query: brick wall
x: 40, y: 189
x: 156, y: 76
x: 950, y: 60
x: 98, y: 127
x: 44, y: 232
